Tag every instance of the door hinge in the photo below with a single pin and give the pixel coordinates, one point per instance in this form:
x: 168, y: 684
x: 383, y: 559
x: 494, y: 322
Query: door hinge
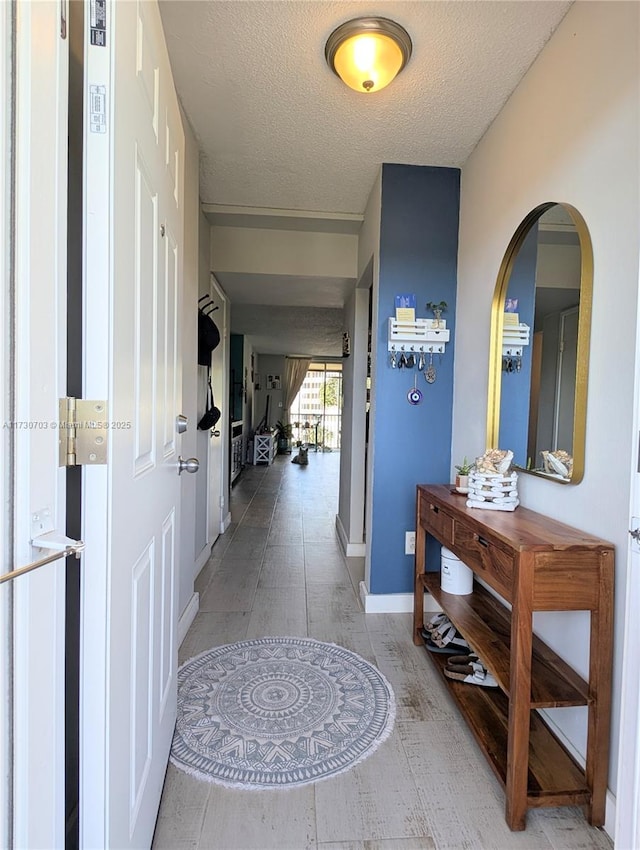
x: 82, y: 432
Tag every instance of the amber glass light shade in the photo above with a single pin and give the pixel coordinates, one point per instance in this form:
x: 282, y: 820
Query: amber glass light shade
x: 368, y: 53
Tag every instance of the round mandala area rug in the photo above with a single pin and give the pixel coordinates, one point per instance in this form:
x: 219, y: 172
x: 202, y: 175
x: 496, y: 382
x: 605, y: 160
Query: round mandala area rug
x: 277, y: 712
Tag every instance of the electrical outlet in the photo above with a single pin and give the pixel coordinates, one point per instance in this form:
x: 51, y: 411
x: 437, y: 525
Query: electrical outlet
x: 409, y: 543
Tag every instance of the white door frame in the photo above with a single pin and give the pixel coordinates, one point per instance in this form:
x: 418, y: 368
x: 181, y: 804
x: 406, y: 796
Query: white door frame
x: 627, y: 827
x: 6, y: 108
x: 94, y: 625
x: 37, y: 599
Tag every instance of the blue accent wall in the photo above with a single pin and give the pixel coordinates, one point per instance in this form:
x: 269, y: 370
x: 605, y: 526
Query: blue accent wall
x: 515, y: 389
x: 418, y: 255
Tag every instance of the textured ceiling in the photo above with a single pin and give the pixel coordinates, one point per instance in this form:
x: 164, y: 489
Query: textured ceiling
x: 277, y: 129
x: 312, y: 331
x: 286, y: 290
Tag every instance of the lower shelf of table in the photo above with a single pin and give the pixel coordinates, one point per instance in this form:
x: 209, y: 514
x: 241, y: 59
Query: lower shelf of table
x: 485, y: 623
x: 554, y: 778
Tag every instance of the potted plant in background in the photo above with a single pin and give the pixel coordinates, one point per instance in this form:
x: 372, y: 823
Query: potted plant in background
x: 437, y: 308
x: 462, y: 476
x: 284, y: 434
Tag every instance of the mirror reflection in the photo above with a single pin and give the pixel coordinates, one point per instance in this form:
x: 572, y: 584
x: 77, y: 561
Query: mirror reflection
x: 540, y: 330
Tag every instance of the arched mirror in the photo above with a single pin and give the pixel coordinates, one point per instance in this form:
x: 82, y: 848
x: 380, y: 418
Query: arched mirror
x: 539, y: 354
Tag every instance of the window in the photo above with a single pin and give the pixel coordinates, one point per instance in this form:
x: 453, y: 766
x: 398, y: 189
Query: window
x: 316, y: 412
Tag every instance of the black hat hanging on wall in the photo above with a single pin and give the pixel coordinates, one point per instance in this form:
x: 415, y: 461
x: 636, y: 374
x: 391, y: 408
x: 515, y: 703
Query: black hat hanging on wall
x: 208, y: 333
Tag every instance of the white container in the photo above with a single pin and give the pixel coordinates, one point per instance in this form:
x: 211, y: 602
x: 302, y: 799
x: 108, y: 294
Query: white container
x: 455, y: 577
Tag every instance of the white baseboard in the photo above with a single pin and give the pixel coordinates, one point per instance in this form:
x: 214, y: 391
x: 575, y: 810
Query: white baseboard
x: 610, y: 816
x: 226, y: 522
x: 202, y: 559
x: 392, y: 603
x: 188, y: 616
x: 351, y: 550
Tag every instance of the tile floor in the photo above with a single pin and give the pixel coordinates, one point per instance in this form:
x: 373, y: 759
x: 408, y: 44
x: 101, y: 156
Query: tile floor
x: 279, y: 570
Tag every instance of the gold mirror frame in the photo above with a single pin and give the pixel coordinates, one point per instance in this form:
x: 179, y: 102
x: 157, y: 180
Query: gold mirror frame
x: 584, y: 336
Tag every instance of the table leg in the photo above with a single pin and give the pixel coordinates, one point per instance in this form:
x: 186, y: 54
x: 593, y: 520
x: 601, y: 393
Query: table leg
x: 418, y: 594
x: 600, y: 665
x: 520, y: 697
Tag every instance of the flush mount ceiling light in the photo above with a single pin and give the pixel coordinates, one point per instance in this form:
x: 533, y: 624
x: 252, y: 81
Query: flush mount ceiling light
x: 368, y: 53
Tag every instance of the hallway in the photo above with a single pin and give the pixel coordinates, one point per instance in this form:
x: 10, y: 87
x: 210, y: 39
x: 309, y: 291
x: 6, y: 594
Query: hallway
x: 279, y: 570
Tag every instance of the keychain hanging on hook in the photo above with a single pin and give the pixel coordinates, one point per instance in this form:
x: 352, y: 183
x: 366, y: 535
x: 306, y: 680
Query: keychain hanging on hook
x: 414, y: 396
x: 430, y: 372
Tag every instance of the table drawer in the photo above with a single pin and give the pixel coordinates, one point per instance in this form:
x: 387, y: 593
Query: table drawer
x: 436, y: 521
x: 486, y: 558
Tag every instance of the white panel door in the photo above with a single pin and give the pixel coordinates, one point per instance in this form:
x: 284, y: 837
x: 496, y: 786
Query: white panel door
x: 134, y: 233
x: 35, y: 334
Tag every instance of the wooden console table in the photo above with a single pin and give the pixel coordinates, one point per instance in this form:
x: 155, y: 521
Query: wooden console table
x: 535, y: 564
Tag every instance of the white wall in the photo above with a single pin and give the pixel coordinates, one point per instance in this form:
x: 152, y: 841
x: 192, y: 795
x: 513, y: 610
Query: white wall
x: 558, y: 266
x: 283, y: 252
x: 269, y: 364
x: 188, y: 447
x: 352, y: 456
x: 569, y: 133
x: 368, y: 251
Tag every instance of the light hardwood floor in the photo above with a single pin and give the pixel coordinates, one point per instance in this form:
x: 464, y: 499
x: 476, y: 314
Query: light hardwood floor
x: 279, y: 570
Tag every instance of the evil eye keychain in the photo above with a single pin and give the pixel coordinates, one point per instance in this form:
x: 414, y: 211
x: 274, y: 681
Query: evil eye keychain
x: 414, y: 396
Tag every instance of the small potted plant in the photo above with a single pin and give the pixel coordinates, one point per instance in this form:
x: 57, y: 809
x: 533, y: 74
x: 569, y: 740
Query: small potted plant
x: 462, y: 476
x: 437, y: 308
x: 284, y: 434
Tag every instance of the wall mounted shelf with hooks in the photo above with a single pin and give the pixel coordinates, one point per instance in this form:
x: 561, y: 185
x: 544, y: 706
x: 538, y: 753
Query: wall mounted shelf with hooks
x: 514, y: 338
x: 428, y: 336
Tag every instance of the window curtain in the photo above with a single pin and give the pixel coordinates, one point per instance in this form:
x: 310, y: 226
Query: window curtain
x: 295, y: 369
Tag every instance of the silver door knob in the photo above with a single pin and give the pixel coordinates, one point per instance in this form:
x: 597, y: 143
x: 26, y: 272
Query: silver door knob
x: 181, y: 423
x: 190, y: 465
x: 215, y: 433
